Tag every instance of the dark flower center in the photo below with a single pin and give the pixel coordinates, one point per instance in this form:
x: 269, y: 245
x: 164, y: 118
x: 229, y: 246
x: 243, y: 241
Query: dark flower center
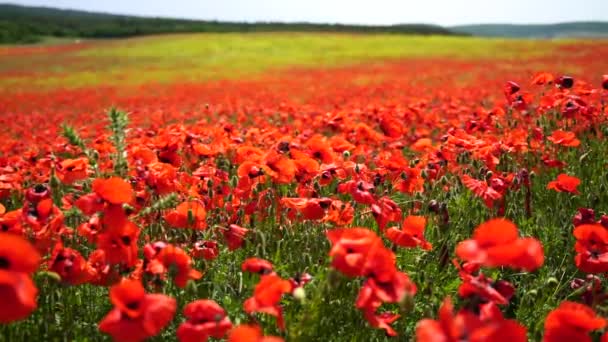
x: 4, y: 263
x: 126, y: 240
x: 132, y: 305
x: 39, y: 188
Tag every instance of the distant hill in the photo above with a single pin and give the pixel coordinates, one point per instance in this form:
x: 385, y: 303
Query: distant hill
x: 24, y: 24
x: 562, y: 30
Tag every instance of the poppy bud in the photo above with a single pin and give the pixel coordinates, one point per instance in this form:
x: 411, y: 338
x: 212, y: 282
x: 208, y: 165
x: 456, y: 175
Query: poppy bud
x: 552, y: 281
x: 565, y: 82
x: 406, y: 304
x: 234, y: 181
x: 576, y: 283
x: 300, y: 294
x: 532, y: 293
x: 51, y: 275
x: 604, y: 221
x: 433, y: 206
x: 511, y: 88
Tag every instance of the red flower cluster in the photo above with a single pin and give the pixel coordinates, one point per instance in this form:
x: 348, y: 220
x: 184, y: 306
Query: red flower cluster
x: 359, y: 252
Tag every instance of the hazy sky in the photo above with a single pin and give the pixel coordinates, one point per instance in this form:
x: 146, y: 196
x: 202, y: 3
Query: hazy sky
x: 443, y: 12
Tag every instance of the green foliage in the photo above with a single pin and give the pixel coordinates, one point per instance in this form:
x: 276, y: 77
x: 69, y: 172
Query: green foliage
x: 19, y: 24
x: 118, y: 126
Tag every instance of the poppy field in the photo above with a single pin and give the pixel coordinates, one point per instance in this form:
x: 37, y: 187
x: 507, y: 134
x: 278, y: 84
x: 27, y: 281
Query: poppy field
x: 304, y: 187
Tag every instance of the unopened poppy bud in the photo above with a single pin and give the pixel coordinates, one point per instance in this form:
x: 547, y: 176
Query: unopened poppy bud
x: 433, y: 206
x: 532, y: 293
x: 191, y: 286
x: 234, y: 181
x: 552, y: 281
x: 300, y: 294
x: 576, y: 283
x: 51, y: 275
x: 424, y: 174
x: 489, y: 174
x: 532, y: 174
x: 406, y: 304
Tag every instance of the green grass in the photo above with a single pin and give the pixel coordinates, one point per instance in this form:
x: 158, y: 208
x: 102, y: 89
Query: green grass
x: 201, y: 57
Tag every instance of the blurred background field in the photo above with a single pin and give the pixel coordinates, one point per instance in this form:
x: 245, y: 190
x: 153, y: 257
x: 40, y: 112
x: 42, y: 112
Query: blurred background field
x: 207, y: 56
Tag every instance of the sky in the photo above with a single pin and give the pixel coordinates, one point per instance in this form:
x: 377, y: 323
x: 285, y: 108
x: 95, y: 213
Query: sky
x: 376, y: 12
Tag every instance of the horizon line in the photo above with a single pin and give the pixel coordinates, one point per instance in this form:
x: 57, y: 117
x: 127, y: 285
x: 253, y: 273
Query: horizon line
x: 305, y: 22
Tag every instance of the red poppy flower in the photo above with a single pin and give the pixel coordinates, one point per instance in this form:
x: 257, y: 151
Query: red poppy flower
x: 69, y: 264
x: 90, y: 229
x: 235, y: 236
x: 510, y: 88
x: 496, y: 243
x: 564, y: 138
x: 266, y: 297
x: 572, y: 322
x: 543, y: 78
x: 411, y: 233
x: 100, y: 272
x: 17, y: 254
x: 120, y: 244
x: 256, y: 265
x: 339, y: 213
x: 484, y: 288
x: 207, y: 250
x: 382, y: 321
x: 113, y: 190
x: 592, y: 248
x: 351, y: 249
x: 385, y: 211
x: 250, y: 333
x: 280, y: 169
x: 309, y: 208
x: 174, y: 258
x: 72, y: 170
x: 481, y: 189
x: 565, y: 183
x: 360, y: 191
x: 18, y: 293
x: 374, y: 292
x: 466, y: 326
x: 190, y: 214
x: 204, y: 319
x: 89, y: 204
x: 136, y: 315
x: 18, y: 259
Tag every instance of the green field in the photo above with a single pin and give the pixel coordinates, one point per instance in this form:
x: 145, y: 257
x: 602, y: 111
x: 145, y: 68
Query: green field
x: 200, y: 57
